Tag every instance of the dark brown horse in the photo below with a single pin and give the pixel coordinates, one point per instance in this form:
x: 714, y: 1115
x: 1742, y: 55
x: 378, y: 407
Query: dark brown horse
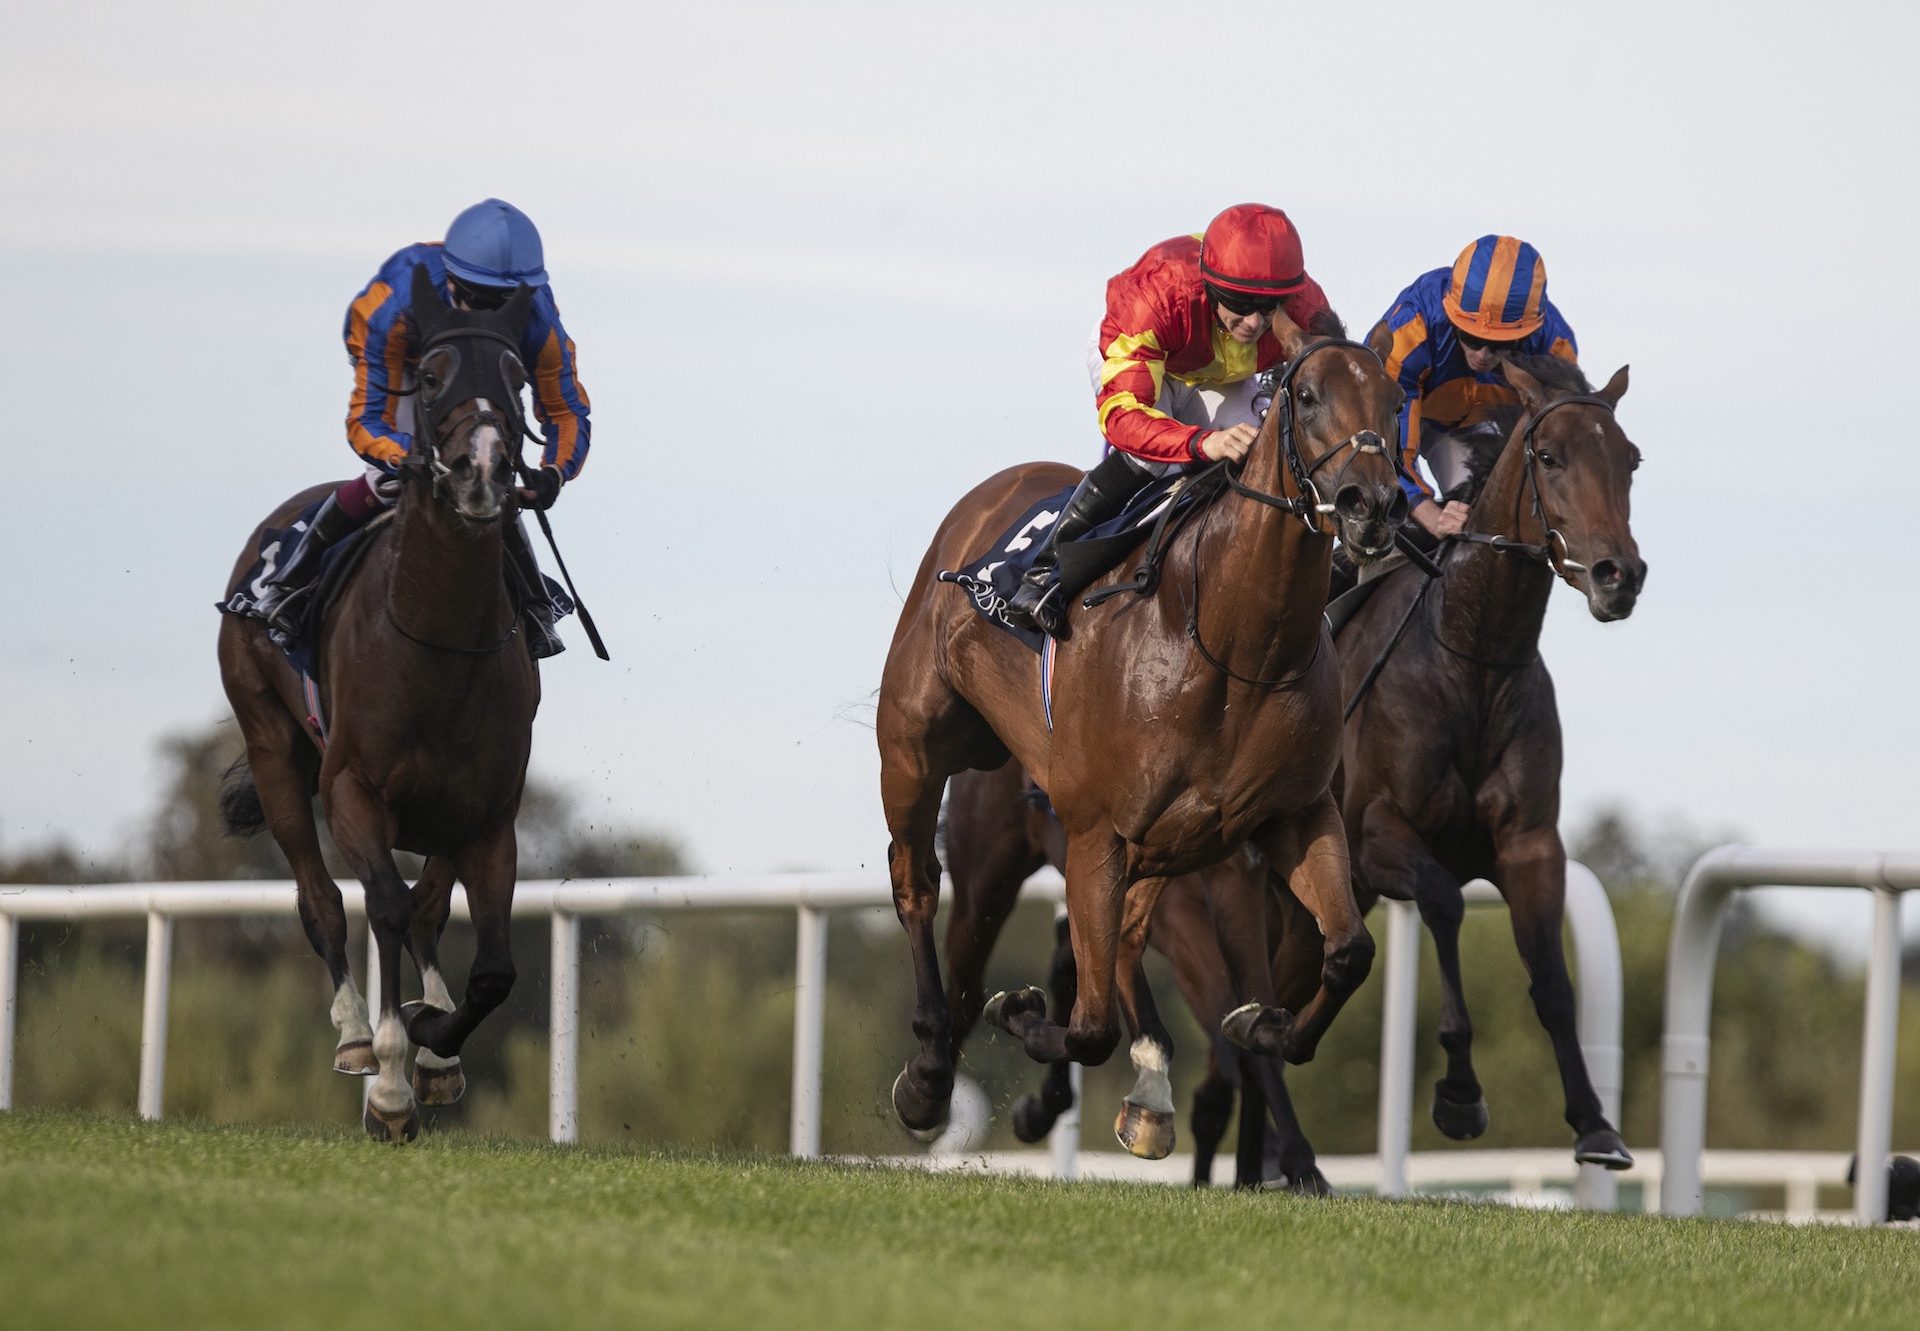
x: 1452, y: 764
x: 430, y: 693
x: 1447, y: 719
x: 1186, y: 723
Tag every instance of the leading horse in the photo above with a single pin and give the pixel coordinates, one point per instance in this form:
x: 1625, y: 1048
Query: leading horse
x: 431, y: 693
x: 1184, y: 723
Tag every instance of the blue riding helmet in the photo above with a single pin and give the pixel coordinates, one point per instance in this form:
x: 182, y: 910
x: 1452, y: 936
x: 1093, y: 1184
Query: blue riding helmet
x: 494, y: 244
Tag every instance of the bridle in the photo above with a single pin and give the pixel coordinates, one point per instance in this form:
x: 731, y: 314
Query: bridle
x: 1560, y: 560
x: 1308, y: 504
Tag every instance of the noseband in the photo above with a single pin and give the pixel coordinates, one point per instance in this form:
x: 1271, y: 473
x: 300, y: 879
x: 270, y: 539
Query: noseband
x: 509, y: 420
x: 1309, y: 505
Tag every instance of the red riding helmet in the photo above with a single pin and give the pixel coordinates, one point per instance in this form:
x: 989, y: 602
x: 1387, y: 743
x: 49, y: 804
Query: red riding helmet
x: 1253, y: 249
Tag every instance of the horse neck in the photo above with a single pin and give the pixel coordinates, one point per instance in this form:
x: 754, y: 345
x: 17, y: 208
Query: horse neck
x: 448, y: 587
x: 1496, y: 602
x: 1262, y: 576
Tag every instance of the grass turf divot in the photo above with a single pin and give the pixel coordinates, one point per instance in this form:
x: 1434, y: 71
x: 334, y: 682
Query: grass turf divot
x: 114, y: 1223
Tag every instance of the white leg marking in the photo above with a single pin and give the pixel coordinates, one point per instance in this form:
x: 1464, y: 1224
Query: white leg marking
x: 1151, y: 1089
x: 349, y: 1013
x: 434, y: 992
x: 390, y: 1093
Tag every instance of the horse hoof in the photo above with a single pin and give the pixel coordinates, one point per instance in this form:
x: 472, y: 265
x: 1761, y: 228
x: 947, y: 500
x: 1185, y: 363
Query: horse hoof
x: 925, y: 1118
x: 1602, y: 1147
x: 1032, y: 1120
x: 1257, y: 1029
x: 1460, y: 1122
x: 423, y: 1025
x: 1146, y: 1133
x: 1003, y: 1007
x: 355, y: 1058
x: 396, y: 1128
x: 443, y: 1085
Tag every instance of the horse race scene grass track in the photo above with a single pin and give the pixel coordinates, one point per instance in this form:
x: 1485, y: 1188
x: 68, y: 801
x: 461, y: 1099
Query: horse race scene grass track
x: 108, y: 1222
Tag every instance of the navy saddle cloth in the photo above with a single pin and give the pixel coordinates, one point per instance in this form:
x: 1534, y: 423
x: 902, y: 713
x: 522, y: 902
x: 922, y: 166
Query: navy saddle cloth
x: 991, y: 579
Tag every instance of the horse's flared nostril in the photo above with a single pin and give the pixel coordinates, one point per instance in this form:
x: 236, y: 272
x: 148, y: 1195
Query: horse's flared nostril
x: 1353, y: 504
x: 1397, y: 506
x: 1607, y: 573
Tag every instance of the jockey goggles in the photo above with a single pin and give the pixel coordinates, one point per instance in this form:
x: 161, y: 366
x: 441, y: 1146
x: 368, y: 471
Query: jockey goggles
x: 476, y: 297
x: 1472, y: 343
x: 1240, y: 303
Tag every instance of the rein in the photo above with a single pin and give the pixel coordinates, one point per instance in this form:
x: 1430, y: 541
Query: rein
x: 1307, y: 505
x: 1561, y: 563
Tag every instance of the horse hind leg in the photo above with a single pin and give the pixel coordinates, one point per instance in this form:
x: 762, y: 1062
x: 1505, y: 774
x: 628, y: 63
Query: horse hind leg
x: 1035, y: 1114
x: 487, y: 868
x: 436, y: 1080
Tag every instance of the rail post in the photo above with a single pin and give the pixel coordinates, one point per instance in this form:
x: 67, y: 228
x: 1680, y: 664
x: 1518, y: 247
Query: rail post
x: 1876, y: 1062
x: 153, y: 1015
x: 9, y: 993
x: 563, y: 1033
x: 809, y: 1021
x: 1596, y: 952
x: 1063, y: 1143
x: 1396, y: 1044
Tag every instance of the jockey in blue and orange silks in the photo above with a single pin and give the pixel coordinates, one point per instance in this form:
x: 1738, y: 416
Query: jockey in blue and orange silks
x: 1444, y: 334
x: 490, y: 249
x: 1187, y: 328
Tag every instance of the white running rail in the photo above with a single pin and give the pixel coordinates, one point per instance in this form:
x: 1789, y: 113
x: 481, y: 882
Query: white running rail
x: 812, y: 896
x: 1698, y: 919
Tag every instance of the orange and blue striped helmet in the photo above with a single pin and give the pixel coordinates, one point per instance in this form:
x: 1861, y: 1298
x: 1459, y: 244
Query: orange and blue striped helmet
x: 1498, y: 290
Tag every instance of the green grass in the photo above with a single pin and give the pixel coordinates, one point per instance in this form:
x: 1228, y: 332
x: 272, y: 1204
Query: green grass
x: 105, y: 1222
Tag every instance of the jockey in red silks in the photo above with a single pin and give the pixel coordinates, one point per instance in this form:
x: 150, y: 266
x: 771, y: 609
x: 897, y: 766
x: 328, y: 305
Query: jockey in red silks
x: 490, y: 249
x: 1186, y: 330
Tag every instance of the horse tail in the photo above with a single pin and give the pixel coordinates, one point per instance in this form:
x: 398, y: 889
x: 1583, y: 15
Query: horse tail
x: 240, y: 807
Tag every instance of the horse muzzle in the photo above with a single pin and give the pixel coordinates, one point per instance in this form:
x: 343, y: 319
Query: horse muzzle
x: 1613, y: 586
x: 1368, y: 516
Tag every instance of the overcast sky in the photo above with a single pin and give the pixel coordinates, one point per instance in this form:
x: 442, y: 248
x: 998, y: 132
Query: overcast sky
x: 828, y: 265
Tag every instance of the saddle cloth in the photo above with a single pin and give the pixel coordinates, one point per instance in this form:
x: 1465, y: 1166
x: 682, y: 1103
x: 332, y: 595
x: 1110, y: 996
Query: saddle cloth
x: 991, y: 579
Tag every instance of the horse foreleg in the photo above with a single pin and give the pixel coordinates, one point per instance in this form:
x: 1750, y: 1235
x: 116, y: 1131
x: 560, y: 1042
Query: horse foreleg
x: 1096, y: 865
x: 1393, y: 854
x: 487, y: 867
x: 1145, y: 1122
x: 436, y: 1080
x: 1533, y: 878
x: 1310, y: 852
x: 364, y: 830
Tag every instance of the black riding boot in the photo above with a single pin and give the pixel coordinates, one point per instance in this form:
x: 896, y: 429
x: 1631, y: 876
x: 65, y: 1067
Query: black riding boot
x: 1039, y: 603
x: 539, y: 614
x: 280, y: 607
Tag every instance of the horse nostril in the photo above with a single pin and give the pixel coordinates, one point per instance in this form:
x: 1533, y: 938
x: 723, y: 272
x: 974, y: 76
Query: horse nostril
x: 1397, y: 507
x: 1606, y: 573
x: 1353, y: 503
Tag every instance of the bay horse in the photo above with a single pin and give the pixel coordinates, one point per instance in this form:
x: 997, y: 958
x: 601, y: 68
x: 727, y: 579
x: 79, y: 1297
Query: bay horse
x: 1458, y: 736
x: 431, y: 693
x: 1451, y: 768
x: 1185, y: 722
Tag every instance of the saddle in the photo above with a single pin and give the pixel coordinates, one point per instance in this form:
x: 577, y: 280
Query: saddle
x: 1152, y: 516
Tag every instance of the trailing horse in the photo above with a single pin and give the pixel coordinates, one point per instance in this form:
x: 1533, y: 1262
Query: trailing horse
x: 1184, y: 723
x: 431, y: 695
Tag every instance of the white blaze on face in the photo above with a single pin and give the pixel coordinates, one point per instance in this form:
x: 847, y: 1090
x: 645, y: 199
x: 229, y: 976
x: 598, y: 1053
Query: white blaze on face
x: 487, y: 442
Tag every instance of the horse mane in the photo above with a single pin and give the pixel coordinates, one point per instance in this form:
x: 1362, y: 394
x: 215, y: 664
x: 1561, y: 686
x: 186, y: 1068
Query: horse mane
x: 1559, y: 377
x: 1325, y: 323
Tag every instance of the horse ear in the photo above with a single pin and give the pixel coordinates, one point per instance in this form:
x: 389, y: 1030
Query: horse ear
x: 1616, y: 387
x: 1288, y: 334
x: 424, y: 303
x: 518, y: 306
x: 1531, y: 392
x: 1380, y: 341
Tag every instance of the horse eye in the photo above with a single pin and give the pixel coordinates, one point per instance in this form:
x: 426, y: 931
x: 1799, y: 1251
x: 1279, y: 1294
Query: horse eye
x: 1306, y: 397
x: 1547, y: 460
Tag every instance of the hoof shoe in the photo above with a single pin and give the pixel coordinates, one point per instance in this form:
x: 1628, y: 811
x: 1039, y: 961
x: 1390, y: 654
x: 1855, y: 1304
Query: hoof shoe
x: 1460, y: 1122
x: 1003, y: 1007
x: 355, y: 1058
x: 1257, y: 1029
x: 925, y: 1118
x: 443, y: 1085
x: 1146, y: 1133
x: 1603, y: 1147
x: 396, y: 1128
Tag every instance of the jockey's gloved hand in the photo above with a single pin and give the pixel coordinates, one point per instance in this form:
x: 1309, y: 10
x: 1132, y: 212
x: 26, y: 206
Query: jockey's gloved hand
x: 541, y: 489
